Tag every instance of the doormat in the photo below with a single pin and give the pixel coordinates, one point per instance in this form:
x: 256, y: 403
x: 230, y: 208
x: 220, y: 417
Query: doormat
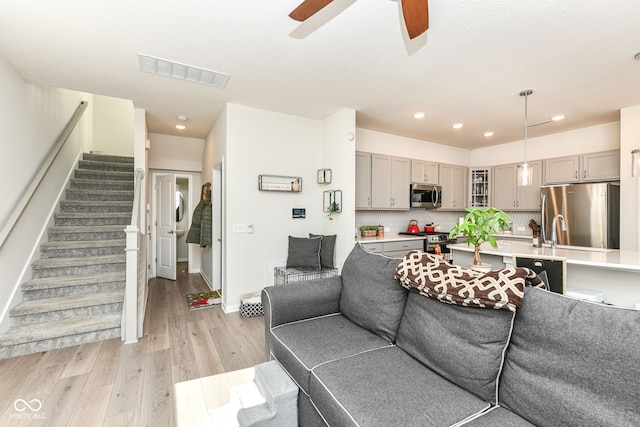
x: 203, y: 300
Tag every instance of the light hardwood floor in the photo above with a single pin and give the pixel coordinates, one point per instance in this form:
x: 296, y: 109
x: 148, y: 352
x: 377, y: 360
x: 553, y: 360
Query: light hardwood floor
x: 112, y: 384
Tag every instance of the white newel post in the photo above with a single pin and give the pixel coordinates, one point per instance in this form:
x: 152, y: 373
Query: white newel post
x: 130, y: 312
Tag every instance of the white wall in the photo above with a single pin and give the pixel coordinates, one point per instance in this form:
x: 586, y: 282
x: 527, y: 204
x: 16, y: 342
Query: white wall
x: 338, y: 154
x: 383, y: 143
x: 586, y: 140
x: 113, y: 126
x: 175, y: 152
x: 629, y: 186
x: 31, y: 118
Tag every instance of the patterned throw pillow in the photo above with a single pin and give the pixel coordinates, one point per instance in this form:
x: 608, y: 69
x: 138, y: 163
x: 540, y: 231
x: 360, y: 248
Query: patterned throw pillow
x: 500, y: 289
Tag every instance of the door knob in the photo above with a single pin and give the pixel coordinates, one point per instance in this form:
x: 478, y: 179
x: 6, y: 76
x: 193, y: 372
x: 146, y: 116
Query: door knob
x: 171, y: 231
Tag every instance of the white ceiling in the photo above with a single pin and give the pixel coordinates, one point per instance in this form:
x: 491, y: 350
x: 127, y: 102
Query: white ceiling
x: 577, y: 56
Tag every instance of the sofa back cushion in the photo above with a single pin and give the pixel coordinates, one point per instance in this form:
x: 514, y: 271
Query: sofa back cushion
x: 572, y: 362
x: 371, y: 297
x: 466, y: 345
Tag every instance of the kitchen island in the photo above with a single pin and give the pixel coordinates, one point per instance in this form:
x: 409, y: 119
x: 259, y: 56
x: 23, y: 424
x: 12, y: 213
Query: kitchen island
x: 612, y: 271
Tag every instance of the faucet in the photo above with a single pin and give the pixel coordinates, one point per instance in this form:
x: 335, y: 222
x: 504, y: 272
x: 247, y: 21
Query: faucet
x: 554, y: 235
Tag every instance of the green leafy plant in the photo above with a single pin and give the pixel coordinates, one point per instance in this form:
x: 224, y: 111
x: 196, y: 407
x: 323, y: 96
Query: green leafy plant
x: 479, y: 226
x: 334, y: 207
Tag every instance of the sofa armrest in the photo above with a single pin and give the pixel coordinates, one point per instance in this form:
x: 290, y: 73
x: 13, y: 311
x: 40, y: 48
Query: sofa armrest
x: 297, y: 301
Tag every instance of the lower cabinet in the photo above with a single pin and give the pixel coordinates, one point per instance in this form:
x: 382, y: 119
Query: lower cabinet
x: 395, y: 249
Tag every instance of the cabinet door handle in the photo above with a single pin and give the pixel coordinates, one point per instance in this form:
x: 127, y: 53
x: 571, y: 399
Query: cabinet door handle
x: 576, y: 174
x: 585, y: 174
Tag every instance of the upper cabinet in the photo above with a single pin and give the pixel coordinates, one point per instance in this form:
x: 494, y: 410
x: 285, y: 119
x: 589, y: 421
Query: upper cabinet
x: 508, y: 195
x: 603, y: 166
x: 390, y: 179
x: 363, y: 180
x: 453, y: 180
x: 424, y: 172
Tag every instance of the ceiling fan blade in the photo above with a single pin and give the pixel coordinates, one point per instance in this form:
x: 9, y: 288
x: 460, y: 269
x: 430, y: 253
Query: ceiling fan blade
x: 416, y: 16
x: 308, y: 8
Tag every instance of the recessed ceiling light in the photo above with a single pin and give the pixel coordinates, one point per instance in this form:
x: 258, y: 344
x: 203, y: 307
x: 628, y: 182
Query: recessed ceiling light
x: 419, y: 115
x: 457, y: 125
x: 558, y: 117
x: 637, y: 55
x: 181, y: 127
x: 488, y: 134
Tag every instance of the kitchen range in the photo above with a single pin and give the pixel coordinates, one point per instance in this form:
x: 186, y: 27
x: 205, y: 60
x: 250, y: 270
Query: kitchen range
x: 434, y: 241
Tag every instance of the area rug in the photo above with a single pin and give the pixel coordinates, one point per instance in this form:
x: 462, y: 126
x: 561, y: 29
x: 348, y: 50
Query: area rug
x: 203, y: 300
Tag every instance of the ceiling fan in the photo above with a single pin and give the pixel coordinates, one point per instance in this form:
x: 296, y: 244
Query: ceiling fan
x: 414, y: 12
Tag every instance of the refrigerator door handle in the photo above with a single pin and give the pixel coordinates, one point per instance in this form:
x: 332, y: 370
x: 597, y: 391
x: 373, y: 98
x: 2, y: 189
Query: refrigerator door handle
x: 543, y: 207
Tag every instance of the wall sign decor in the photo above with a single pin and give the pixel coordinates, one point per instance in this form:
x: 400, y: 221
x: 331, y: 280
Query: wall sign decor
x: 291, y: 184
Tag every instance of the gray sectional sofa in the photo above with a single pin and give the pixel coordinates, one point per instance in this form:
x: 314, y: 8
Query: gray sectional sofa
x: 364, y: 351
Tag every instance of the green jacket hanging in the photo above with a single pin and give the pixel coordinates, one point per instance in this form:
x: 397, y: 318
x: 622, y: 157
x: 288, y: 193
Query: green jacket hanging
x: 200, y: 231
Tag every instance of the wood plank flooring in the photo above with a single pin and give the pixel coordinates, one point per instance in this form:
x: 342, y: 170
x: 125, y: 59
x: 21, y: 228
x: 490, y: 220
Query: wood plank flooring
x: 112, y: 384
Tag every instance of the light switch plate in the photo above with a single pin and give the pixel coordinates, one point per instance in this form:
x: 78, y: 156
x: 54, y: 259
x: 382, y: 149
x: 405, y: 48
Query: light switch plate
x: 239, y: 228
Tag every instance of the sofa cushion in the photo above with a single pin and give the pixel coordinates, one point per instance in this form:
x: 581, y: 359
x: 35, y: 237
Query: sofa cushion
x: 573, y: 363
x: 387, y: 387
x: 299, y: 346
x: 371, y: 297
x: 466, y: 345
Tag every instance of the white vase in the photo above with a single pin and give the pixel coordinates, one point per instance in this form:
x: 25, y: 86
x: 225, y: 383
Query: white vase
x: 482, y: 268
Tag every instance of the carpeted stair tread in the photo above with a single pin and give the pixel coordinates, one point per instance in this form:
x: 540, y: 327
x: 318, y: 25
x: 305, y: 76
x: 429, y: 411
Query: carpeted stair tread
x: 96, y: 206
x: 79, y: 261
x: 68, y: 244
x: 102, y: 184
x: 111, y: 158
x: 84, y: 228
x: 105, y: 166
x: 61, y: 328
x: 69, y: 281
x: 103, y: 175
x: 91, y: 194
x: 94, y: 218
x: 65, y: 303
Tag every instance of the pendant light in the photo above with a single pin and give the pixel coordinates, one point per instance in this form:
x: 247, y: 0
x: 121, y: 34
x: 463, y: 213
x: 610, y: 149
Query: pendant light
x: 525, y: 176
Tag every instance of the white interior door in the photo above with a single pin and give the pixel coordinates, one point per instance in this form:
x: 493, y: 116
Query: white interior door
x: 166, y: 227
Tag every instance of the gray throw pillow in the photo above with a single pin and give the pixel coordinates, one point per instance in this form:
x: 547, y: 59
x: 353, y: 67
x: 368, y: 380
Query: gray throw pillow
x: 371, y: 297
x: 304, y: 253
x: 327, y: 249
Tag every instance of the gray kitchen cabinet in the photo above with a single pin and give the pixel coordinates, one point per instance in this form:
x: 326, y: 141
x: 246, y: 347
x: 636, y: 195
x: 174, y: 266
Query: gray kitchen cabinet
x: 396, y: 249
x: 390, y: 179
x: 562, y: 169
x: 453, y: 180
x: 424, y: 172
x: 508, y: 195
x: 601, y: 166
x: 363, y: 180
x: 604, y: 166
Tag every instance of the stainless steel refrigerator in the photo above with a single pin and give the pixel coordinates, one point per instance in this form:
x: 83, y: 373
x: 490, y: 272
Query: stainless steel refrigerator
x: 591, y: 212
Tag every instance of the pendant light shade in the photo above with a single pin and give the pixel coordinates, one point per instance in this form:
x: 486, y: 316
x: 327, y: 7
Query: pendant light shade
x: 635, y: 163
x: 524, y: 170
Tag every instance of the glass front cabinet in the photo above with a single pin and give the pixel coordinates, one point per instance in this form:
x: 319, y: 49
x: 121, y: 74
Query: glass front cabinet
x: 480, y: 186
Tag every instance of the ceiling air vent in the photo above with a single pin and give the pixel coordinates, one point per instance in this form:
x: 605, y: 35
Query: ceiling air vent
x: 163, y: 67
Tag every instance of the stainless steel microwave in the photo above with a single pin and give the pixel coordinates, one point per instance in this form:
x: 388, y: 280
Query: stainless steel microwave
x: 426, y: 196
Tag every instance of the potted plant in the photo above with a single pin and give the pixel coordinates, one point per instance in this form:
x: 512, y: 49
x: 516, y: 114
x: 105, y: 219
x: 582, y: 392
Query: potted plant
x: 334, y: 207
x: 369, y: 230
x: 479, y: 226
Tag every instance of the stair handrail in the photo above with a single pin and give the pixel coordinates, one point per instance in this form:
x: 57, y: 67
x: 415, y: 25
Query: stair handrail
x: 135, y: 214
x: 42, y: 170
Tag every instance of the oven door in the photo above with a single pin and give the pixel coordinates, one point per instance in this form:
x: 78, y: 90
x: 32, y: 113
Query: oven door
x: 426, y: 196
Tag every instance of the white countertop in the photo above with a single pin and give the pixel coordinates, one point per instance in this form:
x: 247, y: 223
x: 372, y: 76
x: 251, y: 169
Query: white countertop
x: 603, y: 258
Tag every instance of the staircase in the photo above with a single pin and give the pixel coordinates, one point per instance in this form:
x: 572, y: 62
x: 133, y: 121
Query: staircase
x: 76, y: 292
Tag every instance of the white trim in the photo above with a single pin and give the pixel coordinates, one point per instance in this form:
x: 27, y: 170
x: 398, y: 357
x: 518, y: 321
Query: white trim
x: 503, y: 357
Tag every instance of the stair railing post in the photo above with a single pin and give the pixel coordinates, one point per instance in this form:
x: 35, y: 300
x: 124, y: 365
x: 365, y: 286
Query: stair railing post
x: 130, y: 331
